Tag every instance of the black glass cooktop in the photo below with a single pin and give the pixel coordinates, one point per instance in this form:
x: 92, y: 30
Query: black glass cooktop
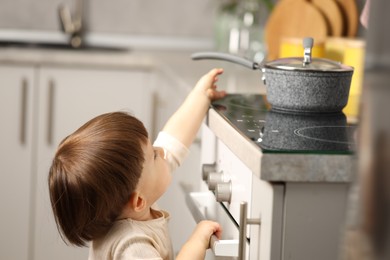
x: 275, y: 131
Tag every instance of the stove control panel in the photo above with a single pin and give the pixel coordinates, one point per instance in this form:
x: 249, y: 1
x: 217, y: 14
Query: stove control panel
x: 217, y: 182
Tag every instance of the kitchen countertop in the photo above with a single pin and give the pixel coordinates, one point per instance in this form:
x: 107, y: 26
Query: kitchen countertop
x: 283, y: 167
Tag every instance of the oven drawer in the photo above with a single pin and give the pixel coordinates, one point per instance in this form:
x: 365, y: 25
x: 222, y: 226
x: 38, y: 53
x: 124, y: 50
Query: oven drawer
x: 203, y: 206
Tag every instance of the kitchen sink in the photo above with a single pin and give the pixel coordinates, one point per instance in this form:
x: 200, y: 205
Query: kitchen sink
x: 61, y: 46
x: 56, y: 40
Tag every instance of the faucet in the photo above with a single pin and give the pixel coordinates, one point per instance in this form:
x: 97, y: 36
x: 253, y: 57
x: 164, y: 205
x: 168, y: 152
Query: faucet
x: 72, y: 25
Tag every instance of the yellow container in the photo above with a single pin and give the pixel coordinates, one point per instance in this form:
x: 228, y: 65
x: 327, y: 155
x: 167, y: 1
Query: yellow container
x: 354, y: 56
x: 292, y: 47
x: 350, y: 52
x: 335, y: 47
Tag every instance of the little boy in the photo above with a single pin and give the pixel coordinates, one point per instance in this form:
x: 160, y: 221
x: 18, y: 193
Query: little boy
x: 106, y: 177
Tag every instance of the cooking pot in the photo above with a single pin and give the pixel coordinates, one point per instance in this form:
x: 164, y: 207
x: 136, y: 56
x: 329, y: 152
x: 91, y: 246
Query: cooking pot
x: 299, y: 84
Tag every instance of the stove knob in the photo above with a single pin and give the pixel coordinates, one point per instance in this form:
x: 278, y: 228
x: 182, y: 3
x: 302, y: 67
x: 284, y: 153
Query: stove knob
x: 223, y: 191
x: 213, y: 179
x: 206, y: 169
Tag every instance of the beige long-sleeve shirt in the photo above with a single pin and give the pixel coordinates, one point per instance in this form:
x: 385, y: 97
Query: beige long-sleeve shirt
x: 131, y: 239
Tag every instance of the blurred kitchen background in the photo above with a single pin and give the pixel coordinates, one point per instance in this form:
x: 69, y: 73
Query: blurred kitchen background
x: 61, y: 66
x: 121, y: 23
x: 131, y: 23
x: 164, y: 18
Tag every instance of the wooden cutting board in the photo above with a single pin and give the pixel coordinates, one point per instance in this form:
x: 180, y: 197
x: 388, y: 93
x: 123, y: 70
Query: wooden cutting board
x: 293, y: 18
x: 333, y: 15
x: 351, y: 16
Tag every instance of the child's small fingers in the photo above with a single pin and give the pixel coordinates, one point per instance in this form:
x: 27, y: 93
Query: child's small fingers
x: 216, y: 71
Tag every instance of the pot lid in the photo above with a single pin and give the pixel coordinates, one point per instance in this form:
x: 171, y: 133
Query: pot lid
x: 307, y: 62
x: 316, y: 64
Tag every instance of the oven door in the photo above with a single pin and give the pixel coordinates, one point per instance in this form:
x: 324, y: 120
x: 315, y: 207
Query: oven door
x: 203, y: 206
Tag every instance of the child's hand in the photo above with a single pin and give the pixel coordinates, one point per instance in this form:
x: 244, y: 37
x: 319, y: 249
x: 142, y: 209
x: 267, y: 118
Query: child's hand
x: 196, y: 246
x: 185, y: 122
x: 207, y: 85
x: 203, y: 231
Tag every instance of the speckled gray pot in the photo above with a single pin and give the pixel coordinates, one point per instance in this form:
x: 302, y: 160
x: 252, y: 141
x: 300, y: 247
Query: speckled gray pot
x: 307, y: 91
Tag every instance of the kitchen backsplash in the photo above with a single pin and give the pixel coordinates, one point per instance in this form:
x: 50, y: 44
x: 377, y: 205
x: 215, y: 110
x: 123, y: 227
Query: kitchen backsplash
x: 182, y: 18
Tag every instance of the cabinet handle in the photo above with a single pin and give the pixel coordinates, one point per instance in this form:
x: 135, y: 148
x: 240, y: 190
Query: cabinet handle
x: 155, y: 105
x: 23, y: 111
x: 50, y: 112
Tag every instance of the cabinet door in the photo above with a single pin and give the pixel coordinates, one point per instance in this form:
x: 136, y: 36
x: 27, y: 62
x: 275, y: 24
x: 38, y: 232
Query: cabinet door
x: 16, y: 111
x: 67, y: 99
x: 267, y: 205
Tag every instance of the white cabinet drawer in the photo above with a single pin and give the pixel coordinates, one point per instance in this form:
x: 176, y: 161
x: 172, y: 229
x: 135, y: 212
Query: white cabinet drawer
x: 203, y: 206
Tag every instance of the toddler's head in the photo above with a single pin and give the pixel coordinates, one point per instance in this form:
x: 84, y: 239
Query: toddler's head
x: 93, y: 174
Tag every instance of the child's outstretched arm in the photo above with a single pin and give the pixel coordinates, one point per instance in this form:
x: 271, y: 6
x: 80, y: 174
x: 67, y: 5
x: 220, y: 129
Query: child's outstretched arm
x: 186, y: 121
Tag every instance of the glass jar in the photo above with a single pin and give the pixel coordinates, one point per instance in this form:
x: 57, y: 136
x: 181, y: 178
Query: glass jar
x: 226, y: 19
x: 240, y: 29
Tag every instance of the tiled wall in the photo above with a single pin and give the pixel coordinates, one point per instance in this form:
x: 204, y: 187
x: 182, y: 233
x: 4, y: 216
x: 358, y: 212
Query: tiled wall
x: 141, y: 17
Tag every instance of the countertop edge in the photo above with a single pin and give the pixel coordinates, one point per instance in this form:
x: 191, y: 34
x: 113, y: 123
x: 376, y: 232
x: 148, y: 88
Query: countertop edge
x: 308, y: 168
x: 76, y: 58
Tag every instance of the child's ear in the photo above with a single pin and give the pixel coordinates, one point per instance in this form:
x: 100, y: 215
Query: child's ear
x: 137, y: 202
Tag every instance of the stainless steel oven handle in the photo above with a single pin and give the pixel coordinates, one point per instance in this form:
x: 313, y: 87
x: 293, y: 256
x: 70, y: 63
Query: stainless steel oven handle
x: 244, y: 221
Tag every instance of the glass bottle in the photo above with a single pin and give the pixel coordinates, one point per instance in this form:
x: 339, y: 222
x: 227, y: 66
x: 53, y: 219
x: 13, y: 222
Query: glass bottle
x: 247, y: 37
x: 226, y: 19
x: 240, y: 28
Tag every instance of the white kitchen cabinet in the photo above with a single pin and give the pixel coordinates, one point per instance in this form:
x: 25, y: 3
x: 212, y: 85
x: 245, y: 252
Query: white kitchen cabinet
x: 264, y: 201
x: 67, y: 99
x: 16, y: 175
x: 39, y: 107
x: 298, y: 219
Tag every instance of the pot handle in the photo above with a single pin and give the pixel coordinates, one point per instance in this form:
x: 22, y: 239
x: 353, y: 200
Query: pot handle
x: 226, y: 57
x: 307, y: 46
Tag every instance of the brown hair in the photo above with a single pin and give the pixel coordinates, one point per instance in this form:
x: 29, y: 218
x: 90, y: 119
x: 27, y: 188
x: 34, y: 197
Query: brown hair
x: 93, y: 174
